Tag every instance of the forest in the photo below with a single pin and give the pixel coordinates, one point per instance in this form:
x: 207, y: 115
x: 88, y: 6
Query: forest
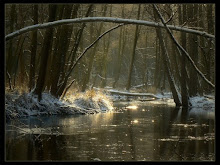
x: 61, y: 58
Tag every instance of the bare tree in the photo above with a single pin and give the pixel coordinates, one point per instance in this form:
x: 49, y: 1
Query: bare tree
x: 133, y: 51
x: 166, y: 63
x: 45, y: 51
x: 33, y: 50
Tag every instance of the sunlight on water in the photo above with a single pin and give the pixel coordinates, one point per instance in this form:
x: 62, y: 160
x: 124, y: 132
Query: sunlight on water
x: 133, y: 107
x: 134, y: 121
x: 138, y: 133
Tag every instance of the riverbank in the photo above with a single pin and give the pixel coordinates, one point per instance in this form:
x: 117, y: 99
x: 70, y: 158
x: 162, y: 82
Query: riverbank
x: 27, y: 104
x: 89, y: 102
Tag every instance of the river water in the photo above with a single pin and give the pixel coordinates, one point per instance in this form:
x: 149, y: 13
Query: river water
x: 134, y: 132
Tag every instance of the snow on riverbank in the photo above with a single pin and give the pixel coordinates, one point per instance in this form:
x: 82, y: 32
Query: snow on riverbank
x: 89, y: 102
x: 202, y: 102
x: 27, y: 104
x: 205, y: 102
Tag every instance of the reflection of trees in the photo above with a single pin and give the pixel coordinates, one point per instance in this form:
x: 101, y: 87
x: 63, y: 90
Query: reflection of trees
x: 130, y: 130
x: 165, y: 121
x: 184, y: 141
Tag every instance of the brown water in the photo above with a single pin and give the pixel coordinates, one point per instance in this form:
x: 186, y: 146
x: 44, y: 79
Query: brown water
x: 147, y: 133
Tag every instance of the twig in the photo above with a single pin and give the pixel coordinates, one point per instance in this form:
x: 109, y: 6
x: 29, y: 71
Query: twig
x: 171, y: 17
x: 67, y: 88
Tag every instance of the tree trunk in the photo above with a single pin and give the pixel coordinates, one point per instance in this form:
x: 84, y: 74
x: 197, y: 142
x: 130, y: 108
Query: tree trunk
x: 9, y: 59
x: 33, y: 50
x: 210, y: 52
x: 166, y: 62
x: 193, y: 50
x: 183, y: 51
x: 45, y: 51
x: 133, y: 52
x: 73, y: 54
x: 158, y: 64
x: 60, y: 53
x: 91, y: 58
x: 120, y: 53
x: 183, y: 82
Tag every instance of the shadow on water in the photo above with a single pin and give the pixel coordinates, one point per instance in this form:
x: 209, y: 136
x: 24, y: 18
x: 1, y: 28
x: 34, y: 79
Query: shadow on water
x: 135, y: 131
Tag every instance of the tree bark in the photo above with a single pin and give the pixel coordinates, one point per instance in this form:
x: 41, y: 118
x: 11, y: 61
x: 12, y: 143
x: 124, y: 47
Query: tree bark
x: 183, y: 82
x: 133, y: 51
x: 45, y: 51
x: 120, y: 52
x: 9, y: 59
x: 166, y: 62
x: 210, y: 52
x: 193, y: 50
x: 33, y: 50
x: 60, y: 53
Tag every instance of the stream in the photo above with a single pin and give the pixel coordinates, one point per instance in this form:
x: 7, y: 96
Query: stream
x: 135, y: 131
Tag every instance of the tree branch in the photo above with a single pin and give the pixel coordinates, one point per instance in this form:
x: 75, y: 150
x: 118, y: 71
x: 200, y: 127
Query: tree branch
x: 85, y: 50
x: 104, y: 19
x: 183, y: 50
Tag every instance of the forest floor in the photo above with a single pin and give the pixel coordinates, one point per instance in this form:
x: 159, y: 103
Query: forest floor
x: 90, y: 102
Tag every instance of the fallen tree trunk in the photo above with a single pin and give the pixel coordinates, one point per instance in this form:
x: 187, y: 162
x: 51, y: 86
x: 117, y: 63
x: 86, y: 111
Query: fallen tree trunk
x: 115, y: 92
x: 105, y: 19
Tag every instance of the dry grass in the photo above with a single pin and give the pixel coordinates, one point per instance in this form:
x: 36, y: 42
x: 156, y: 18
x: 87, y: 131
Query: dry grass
x: 90, y: 93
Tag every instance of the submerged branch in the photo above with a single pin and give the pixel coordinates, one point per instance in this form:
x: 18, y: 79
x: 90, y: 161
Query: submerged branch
x: 104, y: 19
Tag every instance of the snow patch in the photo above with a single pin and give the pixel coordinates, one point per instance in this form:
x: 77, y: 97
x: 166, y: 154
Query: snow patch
x: 202, y: 102
x: 27, y: 104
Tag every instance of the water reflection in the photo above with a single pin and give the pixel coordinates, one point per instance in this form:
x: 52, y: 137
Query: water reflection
x: 148, y: 133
